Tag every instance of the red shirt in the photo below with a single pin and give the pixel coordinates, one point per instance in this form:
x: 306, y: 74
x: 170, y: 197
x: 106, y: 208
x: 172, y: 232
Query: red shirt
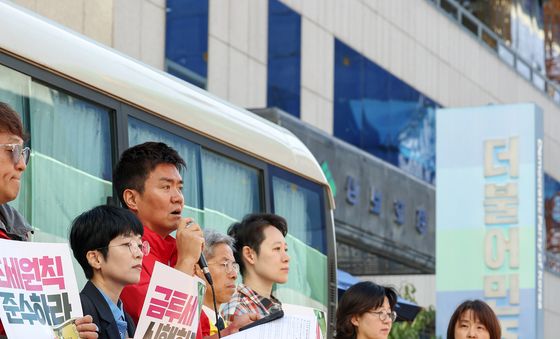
x: 163, y: 250
x: 3, y: 235
x: 204, y: 324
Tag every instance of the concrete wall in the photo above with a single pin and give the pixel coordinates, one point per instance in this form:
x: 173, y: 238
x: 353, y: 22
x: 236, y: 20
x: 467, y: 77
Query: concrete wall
x: 237, y: 51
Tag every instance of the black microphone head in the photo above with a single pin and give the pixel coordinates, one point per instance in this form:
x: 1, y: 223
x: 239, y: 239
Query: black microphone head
x: 204, y: 266
x: 202, y: 261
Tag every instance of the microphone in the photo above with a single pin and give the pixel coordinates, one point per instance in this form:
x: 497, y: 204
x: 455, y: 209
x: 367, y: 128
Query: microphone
x: 202, y: 262
x: 204, y: 267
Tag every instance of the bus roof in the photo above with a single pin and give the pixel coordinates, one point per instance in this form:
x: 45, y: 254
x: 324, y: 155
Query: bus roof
x: 53, y: 47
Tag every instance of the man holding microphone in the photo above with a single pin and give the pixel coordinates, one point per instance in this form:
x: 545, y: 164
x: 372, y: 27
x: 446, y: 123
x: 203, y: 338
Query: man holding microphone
x: 148, y: 182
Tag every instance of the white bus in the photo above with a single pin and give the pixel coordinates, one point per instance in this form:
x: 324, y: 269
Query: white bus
x: 83, y: 104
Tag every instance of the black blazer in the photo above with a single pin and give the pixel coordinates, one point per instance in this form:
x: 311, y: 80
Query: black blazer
x: 95, y: 305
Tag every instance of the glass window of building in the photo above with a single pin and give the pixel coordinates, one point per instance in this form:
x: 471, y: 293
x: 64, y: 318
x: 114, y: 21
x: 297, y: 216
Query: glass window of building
x: 70, y: 167
x: 186, y: 40
x: 284, y: 58
x: 301, y: 203
x: 381, y: 114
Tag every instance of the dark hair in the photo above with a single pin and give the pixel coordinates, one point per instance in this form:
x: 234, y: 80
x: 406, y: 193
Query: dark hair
x: 137, y: 162
x: 249, y: 232
x: 357, y: 300
x: 10, y: 121
x: 96, y: 228
x: 482, y: 312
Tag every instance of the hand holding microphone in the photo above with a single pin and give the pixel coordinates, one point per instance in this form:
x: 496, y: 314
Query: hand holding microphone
x: 190, y: 242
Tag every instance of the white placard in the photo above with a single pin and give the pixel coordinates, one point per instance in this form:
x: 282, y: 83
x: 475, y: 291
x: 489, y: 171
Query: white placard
x: 299, y: 322
x: 173, y: 304
x: 38, y: 289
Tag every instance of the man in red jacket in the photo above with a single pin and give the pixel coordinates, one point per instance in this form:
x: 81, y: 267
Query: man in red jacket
x: 13, y: 162
x: 148, y: 182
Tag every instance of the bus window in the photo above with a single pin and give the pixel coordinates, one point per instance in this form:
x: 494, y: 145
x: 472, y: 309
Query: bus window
x: 231, y: 190
x: 70, y: 167
x: 301, y: 203
x: 140, y: 132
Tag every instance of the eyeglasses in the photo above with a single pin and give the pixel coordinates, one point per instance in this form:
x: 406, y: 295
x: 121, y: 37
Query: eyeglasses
x: 384, y: 315
x: 229, y: 266
x: 134, y: 247
x: 17, y: 152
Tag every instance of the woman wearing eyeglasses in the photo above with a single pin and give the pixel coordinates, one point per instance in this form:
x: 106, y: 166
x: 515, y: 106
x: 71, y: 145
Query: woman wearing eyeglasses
x: 366, y: 311
x: 107, y: 243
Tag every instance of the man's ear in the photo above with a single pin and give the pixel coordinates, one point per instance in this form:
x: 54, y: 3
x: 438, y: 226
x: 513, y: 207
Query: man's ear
x: 248, y: 254
x: 94, y: 259
x: 130, y: 197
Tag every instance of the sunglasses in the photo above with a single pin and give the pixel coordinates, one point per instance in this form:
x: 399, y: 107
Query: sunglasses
x: 17, y: 152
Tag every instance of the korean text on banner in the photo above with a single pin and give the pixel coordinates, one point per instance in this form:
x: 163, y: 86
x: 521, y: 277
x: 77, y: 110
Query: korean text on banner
x: 38, y: 289
x: 172, y: 306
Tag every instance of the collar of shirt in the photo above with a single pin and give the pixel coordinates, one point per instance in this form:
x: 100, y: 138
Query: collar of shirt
x: 212, y: 319
x: 258, y: 299
x: 163, y: 248
x: 118, y: 314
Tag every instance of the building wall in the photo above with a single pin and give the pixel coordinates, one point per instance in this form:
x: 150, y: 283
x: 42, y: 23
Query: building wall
x: 237, y: 51
x: 421, y: 46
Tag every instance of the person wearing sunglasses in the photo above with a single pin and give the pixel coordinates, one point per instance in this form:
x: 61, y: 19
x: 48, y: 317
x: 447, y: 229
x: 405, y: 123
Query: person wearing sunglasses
x: 14, y: 157
x: 107, y: 243
x: 13, y: 162
x: 366, y: 311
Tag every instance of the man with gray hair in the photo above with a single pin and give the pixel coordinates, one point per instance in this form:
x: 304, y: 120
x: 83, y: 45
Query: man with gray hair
x: 218, y: 250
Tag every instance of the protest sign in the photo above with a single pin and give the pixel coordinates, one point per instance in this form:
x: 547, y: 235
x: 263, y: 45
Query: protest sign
x: 38, y: 290
x: 299, y: 322
x: 172, y: 306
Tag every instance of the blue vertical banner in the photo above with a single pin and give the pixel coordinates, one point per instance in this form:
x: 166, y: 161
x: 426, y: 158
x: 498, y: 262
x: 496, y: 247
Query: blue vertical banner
x: 489, y: 212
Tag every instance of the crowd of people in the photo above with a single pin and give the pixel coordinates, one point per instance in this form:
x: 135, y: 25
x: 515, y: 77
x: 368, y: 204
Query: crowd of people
x: 117, y: 248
